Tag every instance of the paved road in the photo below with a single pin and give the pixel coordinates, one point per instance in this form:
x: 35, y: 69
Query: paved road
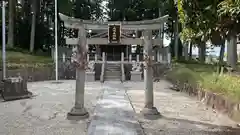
x: 114, y: 109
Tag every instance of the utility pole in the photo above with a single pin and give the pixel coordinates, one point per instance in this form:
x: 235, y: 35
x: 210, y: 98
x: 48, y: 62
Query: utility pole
x: 3, y: 40
x: 56, y: 42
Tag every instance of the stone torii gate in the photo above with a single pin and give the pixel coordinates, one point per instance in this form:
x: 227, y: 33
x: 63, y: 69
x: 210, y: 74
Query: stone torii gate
x: 114, y: 31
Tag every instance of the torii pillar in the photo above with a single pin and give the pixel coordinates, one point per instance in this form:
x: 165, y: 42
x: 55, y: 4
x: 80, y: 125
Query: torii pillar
x: 81, y: 63
x: 149, y: 108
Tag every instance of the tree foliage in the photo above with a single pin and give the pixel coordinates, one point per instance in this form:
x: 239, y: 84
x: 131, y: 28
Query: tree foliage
x: 44, y: 35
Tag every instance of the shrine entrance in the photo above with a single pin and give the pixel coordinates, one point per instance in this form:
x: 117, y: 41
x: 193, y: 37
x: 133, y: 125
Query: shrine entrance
x: 113, y: 52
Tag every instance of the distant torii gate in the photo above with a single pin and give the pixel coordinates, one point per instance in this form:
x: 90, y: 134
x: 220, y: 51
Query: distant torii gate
x: 114, y: 31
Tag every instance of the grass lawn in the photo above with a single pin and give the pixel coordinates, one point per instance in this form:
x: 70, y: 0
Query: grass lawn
x: 20, y: 60
x: 205, y: 76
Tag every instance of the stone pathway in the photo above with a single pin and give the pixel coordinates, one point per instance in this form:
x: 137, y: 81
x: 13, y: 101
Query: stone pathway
x: 114, y: 114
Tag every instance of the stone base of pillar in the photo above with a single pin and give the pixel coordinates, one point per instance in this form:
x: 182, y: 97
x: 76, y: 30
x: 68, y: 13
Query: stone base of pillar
x: 79, y: 113
x: 150, y: 111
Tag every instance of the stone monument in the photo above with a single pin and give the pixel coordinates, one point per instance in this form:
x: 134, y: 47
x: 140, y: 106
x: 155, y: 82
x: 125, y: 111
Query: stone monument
x: 136, y: 74
x: 15, y: 88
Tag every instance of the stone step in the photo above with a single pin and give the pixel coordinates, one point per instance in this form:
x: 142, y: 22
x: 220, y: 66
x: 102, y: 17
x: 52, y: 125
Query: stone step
x: 118, y: 71
x: 112, y: 69
x: 112, y: 78
x: 109, y: 73
x: 112, y: 72
x: 115, y: 73
x: 112, y: 65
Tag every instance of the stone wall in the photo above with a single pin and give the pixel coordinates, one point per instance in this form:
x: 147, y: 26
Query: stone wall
x: 48, y: 73
x: 67, y: 71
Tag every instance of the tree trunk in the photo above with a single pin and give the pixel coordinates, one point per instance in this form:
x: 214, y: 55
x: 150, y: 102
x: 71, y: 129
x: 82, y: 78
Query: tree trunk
x: 232, y: 51
x: 190, y: 51
x: 176, y: 46
x: 221, y: 55
x: 33, y: 27
x: 202, y: 52
x: 186, y: 45
x: 12, y: 5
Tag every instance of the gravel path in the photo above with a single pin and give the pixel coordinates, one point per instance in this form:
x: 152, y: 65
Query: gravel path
x: 181, y: 114
x: 45, y: 114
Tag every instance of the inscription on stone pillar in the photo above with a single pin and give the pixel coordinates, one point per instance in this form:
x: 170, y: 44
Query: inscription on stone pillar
x: 114, y: 33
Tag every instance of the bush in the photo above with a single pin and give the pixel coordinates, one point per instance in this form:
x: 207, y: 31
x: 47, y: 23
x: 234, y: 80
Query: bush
x: 206, y: 77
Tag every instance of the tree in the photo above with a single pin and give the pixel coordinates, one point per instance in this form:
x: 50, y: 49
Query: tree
x: 133, y: 10
x: 33, y: 27
x: 199, y: 21
x: 87, y: 10
x: 12, y: 7
x: 229, y: 11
